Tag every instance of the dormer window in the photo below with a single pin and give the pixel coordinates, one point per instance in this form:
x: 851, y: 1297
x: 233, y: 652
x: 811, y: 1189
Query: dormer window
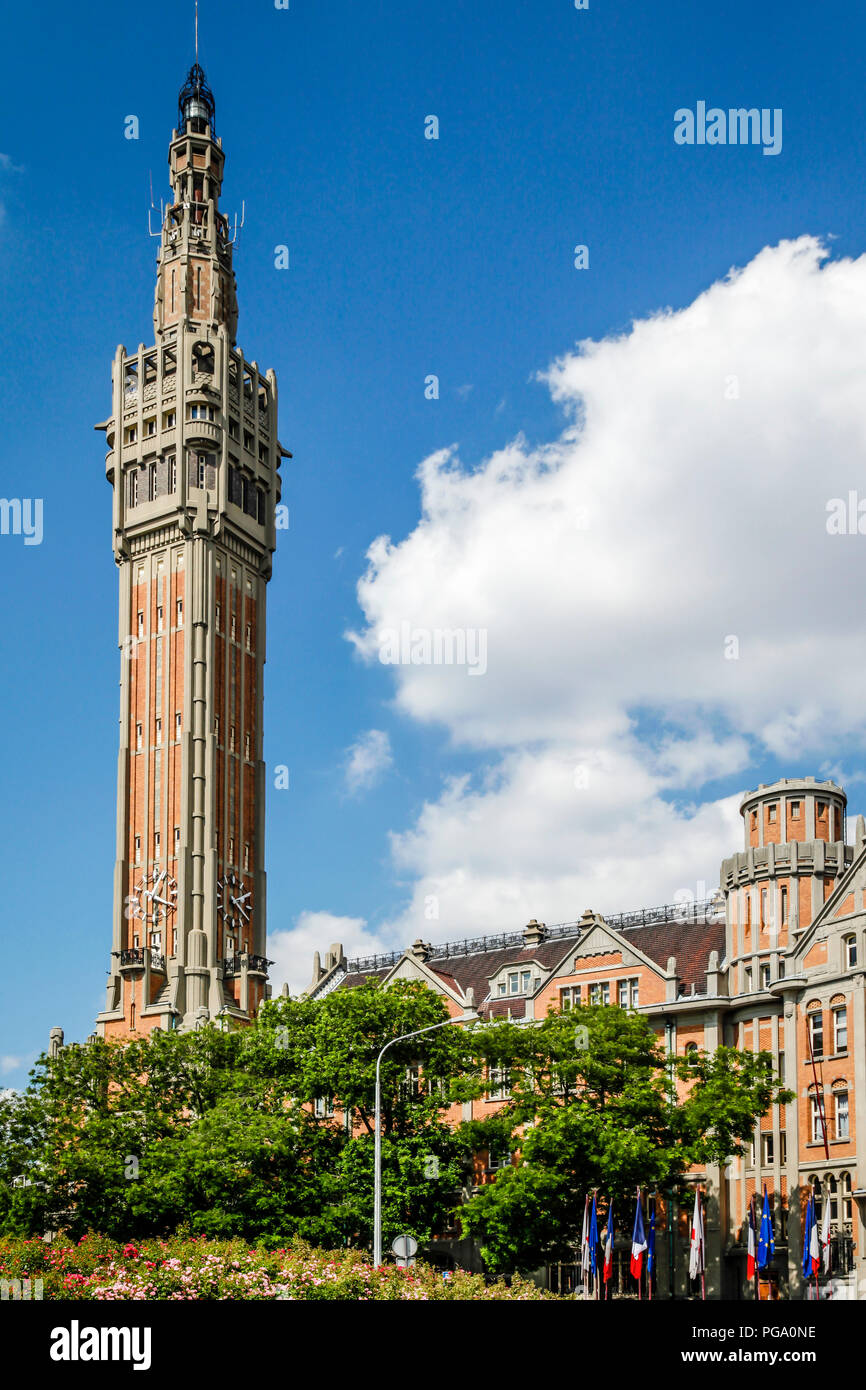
x: 516, y: 982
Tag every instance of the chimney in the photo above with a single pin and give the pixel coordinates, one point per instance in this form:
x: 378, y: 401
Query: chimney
x: 420, y: 950
x: 55, y: 1042
x: 534, y: 932
x: 672, y: 983
x: 713, y: 975
x: 859, y: 834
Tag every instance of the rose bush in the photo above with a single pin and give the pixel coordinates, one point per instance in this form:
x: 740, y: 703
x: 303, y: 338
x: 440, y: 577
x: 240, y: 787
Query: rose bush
x: 180, y: 1268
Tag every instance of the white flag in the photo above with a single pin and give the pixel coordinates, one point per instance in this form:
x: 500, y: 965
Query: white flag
x: 584, y: 1246
x: 825, y: 1236
x: 696, y: 1248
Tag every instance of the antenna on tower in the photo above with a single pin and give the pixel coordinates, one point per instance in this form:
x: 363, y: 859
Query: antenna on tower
x: 196, y: 30
x: 234, y: 240
x: 152, y: 208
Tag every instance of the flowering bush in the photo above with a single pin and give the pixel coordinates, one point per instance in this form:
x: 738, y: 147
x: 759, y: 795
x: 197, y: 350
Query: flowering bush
x: 197, y: 1268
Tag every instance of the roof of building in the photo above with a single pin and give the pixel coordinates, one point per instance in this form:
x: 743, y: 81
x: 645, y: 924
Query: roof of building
x: 657, y: 933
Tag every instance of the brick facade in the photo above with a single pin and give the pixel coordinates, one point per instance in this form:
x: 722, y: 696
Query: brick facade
x: 784, y: 939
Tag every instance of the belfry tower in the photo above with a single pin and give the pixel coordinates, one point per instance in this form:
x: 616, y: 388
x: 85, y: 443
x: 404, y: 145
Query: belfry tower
x: 193, y: 460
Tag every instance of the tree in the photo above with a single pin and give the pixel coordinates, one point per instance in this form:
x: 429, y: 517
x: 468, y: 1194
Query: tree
x: 594, y: 1103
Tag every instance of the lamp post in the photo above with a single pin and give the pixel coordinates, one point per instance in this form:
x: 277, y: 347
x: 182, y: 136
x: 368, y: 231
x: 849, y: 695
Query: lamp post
x: 467, y: 1017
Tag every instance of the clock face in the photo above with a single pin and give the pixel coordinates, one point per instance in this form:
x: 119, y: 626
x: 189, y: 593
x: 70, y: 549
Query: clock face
x: 154, y: 898
x: 234, y: 901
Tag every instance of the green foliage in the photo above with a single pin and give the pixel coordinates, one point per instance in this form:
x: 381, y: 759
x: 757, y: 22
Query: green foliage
x: 216, y: 1134
x: 594, y: 1103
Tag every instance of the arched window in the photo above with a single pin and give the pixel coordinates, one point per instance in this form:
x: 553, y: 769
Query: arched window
x: 845, y: 1189
x: 849, y: 949
x: 832, y: 1193
x: 815, y: 1186
x: 815, y: 1024
x: 840, y: 1110
x: 692, y: 1054
x: 817, y: 1115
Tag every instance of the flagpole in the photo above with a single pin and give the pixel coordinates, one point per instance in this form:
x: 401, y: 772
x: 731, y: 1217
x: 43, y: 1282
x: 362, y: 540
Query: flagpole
x: 755, y: 1226
x: 703, y: 1249
x: 649, y: 1272
x: 639, y: 1277
x: 819, y: 1092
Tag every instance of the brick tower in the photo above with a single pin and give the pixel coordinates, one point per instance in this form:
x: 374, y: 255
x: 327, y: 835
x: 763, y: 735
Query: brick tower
x: 193, y: 460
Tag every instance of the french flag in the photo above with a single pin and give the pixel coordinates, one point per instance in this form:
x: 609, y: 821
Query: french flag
x: 811, y: 1251
x: 752, y: 1248
x: 638, y: 1241
x: 608, y: 1245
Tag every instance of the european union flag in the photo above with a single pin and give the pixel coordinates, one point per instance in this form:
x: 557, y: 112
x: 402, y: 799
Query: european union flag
x: 651, y: 1240
x: 766, y: 1244
x: 593, y: 1239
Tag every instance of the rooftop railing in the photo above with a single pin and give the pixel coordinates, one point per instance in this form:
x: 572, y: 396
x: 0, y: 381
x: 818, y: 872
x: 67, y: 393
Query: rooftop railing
x: 701, y: 910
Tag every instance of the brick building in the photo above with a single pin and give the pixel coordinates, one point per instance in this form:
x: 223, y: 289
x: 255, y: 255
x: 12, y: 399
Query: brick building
x: 775, y: 961
x: 193, y: 460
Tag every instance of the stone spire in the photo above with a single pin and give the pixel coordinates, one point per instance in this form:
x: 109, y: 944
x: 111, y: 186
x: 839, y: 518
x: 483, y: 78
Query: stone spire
x: 195, y: 279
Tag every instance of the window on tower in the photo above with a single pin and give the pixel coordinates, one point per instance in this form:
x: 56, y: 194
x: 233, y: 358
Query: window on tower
x: 180, y: 612
x: 203, y: 359
x: 202, y: 470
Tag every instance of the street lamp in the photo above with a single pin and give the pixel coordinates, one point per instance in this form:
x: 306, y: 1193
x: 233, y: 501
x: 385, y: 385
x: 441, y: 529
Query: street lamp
x: 468, y: 1017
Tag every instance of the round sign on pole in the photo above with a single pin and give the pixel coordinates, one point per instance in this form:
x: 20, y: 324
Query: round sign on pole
x: 404, y: 1247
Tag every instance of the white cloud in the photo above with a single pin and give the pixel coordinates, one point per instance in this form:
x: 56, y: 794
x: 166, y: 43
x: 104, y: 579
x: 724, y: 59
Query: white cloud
x: 368, y: 760
x: 9, y: 1063
x: 292, y: 951
x: 684, y: 503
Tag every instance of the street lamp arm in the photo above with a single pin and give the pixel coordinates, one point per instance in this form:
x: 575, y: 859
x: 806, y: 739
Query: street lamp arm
x: 377, y: 1155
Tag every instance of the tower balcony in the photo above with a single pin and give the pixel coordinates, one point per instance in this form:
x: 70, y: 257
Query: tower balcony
x: 132, y: 959
x: 256, y: 965
x: 202, y: 431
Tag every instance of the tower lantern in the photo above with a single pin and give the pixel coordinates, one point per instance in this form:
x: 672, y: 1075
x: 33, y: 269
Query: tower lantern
x: 193, y: 460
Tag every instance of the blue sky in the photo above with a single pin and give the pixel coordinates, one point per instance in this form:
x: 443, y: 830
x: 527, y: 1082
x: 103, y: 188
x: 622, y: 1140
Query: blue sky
x: 408, y: 257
